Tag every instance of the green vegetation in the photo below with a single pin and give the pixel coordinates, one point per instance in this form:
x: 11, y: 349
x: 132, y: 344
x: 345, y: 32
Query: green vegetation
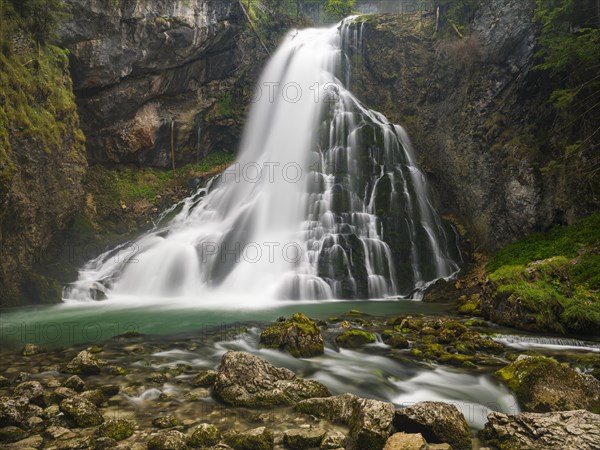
x: 570, y: 56
x: 340, y: 8
x: 555, y: 276
x: 40, y: 17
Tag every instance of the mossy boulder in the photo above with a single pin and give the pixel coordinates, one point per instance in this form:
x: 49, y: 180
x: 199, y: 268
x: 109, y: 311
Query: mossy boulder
x: 303, y: 438
x: 204, y: 379
x: 205, y: 435
x: 354, y: 338
x: 396, y: 340
x: 247, y: 380
x: 165, y: 422
x: 31, y: 350
x: 543, y: 385
x: 256, y: 439
x: 83, y: 412
x: 299, y: 336
x: 168, y: 440
x: 117, y: 429
x: 75, y: 383
x: 438, y: 422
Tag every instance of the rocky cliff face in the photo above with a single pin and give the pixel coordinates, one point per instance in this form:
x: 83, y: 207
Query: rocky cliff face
x: 150, y: 75
x: 478, y: 116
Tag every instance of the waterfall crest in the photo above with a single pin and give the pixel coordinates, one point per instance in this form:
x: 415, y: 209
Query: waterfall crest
x: 324, y: 201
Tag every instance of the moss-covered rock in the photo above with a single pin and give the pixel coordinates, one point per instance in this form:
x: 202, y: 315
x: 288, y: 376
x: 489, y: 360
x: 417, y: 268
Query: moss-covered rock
x: 354, y: 338
x: 168, y: 440
x: 256, y: 439
x: 82, y: 412
x: 84, y: 363
x: 204, y: 379
x: 168, y: 421
x: 75, y: 383
x: 543, y: 385
x: 299, y: 335
x: 205, y: 435
x: 117, y: 429
x: 396, y: 340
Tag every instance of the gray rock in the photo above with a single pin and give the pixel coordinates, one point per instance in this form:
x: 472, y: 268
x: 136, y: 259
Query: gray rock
x: 534, y: 431
x: 168, y: 440
x: 438, y: 422
x: 31, y: 350
x: 33, y: 391
x: 75, y: 383
x: 247, y: 380
x: 337, y: 409
x: 332, y: 440
x: 13, y: 410
x: 404, y: 441
x: 84, y: 363
x: 371, y: 423
x: 205, y: 435
x: 95, y: 396
x: 204, y: 379
x: 81, y: 411
x: 256, y: 439
x: 303, y: 438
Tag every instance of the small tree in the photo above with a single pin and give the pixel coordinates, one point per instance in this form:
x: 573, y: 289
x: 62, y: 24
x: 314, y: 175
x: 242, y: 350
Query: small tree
x: 340, y: 8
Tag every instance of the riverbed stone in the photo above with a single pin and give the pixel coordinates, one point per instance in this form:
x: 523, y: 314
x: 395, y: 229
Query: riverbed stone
x: 11, y: 433
x: 31, y: 350
x: 168, y: 440
x: 165, y: 422
x: 33, y: 391
x: 542, y: 385
x: 303, y: 438
x: 247, y: 380
x: 406, y: 441
x: 299, y: 336
x: 83, y: 412
x: 75, y: 383
x: 205, y: 435
x: 396, y: 340
x: 204, y: 379
x: 84, y: 363
x: 117, y: 429
x: 578, y: 429
x: 4, y: 382
x: 13, y: 410
x: 255, y: 439
x: 370, y: 423
x: 32, y: 442
x: 337, y: 409
x: 438, y: 422
x: 332, y: 440
x: 95, y: 396
x: 354, y: 338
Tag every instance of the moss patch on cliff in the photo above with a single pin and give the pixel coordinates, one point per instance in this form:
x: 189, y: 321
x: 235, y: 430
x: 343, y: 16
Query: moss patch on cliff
x: 553, y: 278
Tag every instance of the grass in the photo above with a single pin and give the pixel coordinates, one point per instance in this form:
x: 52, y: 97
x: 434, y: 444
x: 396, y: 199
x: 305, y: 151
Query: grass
x: 555, y: 275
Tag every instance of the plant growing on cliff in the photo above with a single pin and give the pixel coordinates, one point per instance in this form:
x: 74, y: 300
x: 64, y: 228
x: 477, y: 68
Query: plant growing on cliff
x: 40, y: 17
x: 340, y: 8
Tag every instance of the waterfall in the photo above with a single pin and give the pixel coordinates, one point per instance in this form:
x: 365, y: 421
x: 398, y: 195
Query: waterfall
x: 324, y: 201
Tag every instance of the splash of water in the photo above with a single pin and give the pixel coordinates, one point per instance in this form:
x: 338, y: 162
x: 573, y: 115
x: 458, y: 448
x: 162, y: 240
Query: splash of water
x: 324, y: 201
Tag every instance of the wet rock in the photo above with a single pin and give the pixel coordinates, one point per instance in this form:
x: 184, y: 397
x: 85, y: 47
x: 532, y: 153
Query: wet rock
x: 337, y: 409
x: 59, y: 433
x: 256, y: 439
x: 22, y: 377
x: 84, y: 363
x: 32, y: 442
x: 196, y: 394
x: 371, y: 423
x: 117, y: 429
x: 299, y: 336
x: 158, y: 378
x: 396, y: 340
x: 104, y: 443
x: 61, y: 394
x: 165, y: 422
x: 354, y: 338
x: 33, y: 391
x: 205, y: 436
x: 247, y: 380
x: 13, y: 410
x: 438, y: 422
x: 110, y: 389
x: 534, y: 431
x: 204, y: 379
x: 333, y: 440
x: 83, y: 412
x: 11, y: 433
x: 543, y: 385
x: 168, y: 440
x: 31, y: 350
x: 96, y: 397
x: 404, y: 441
x: 303, y: 438
x: 4, y: 382
x: 51, y: 411
x: 75, y: 383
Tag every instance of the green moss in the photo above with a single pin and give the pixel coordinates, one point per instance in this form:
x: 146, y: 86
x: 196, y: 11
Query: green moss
x: 515, y: 374
x: 118, y: 429
x: 354, y: 338
x: 299, y: 335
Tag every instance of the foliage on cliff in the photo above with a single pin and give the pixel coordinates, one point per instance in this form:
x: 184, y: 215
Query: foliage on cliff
x: 554, y: 276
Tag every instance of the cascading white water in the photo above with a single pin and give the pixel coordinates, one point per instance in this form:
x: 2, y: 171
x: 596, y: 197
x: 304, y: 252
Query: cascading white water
x: 324, y: 201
